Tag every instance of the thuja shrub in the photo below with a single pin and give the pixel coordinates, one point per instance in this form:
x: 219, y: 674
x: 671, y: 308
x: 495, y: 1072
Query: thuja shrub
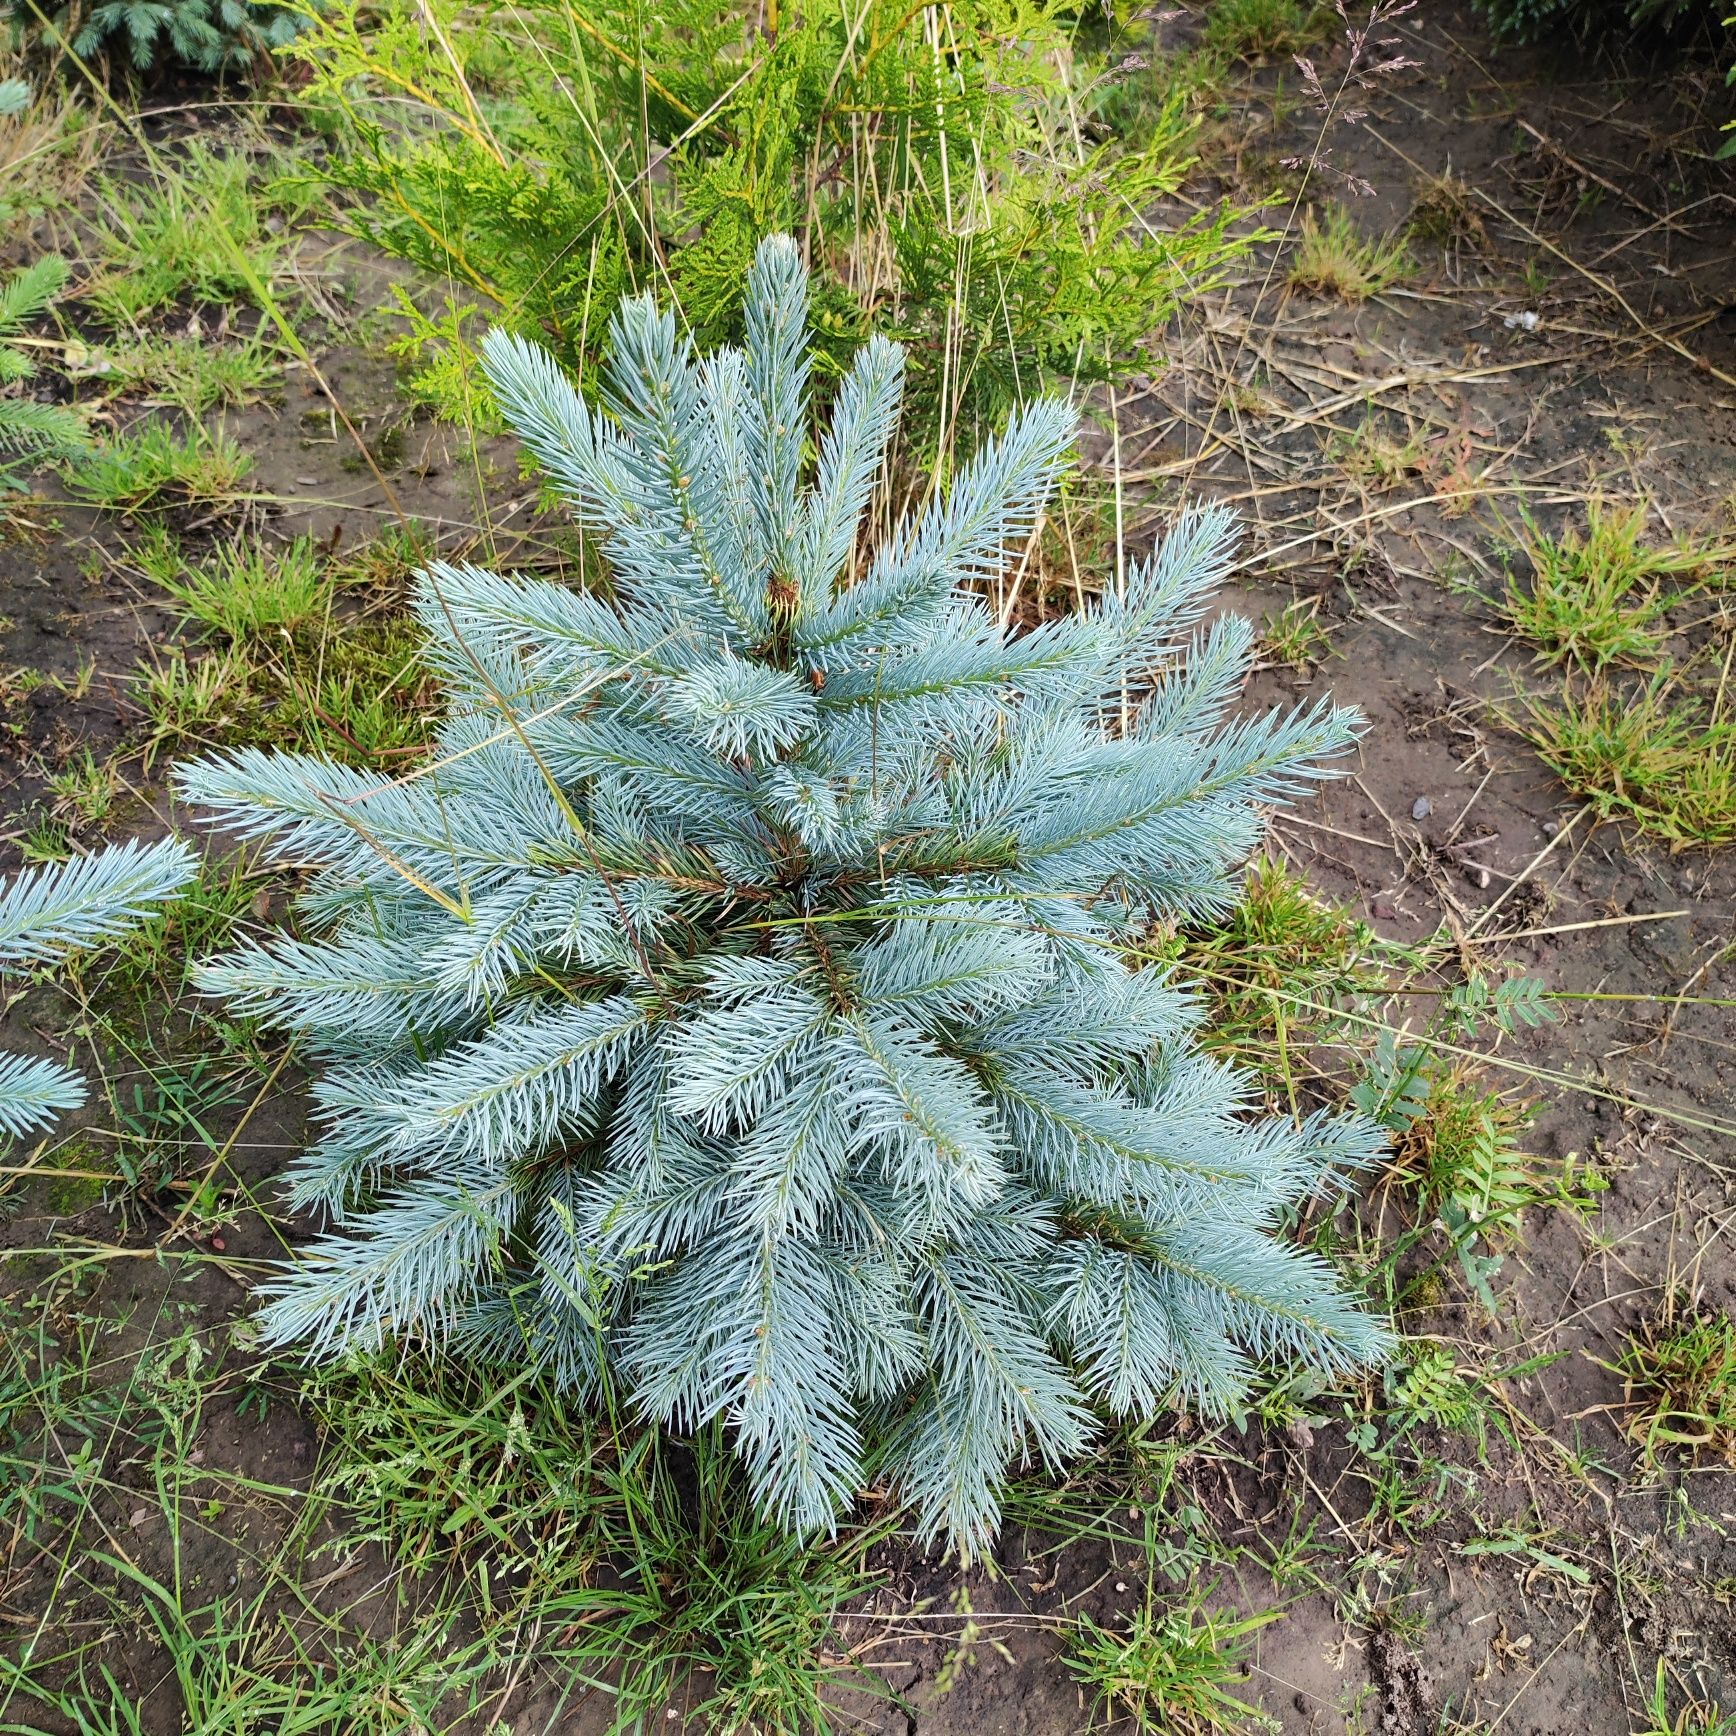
x: 945, y: 169
x: 743, y: 1004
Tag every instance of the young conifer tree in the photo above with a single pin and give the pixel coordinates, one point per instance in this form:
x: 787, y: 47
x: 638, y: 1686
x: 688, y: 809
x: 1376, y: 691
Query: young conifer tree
x: 741, y: 1004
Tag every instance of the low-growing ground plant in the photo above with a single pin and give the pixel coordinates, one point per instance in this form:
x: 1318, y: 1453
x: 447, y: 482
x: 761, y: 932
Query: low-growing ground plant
x: 1446, y: 214
x: 248, y: 590
x: 191, y: 373
x: 153, y: 465
x: 1692, y: 1717
x: 1294, y: 635
x: 1642, y: 735
x: 1334, y: 257
x: 1654, y: 753
x: 1173, y: 1669
x: 1597, y: 597
x: 1261, y: 29
x: 1681, y: 1380
x: 1378, y: 455
x: 282, y: 641
x: 735, y: 1007
x: 82, y: 788
x: 1277, y: 968
x: 194, y: 228
x: 1461, y: 1159
x: 639, y: 1556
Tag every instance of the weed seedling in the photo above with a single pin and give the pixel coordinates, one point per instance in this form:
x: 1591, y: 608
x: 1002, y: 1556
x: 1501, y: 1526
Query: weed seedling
x: 1445, y: 214
x: 1294, y: 636
x: 1334, y: 257
x: 296, y: 648
x: 194, y: 374
x: 1275, y: 968
x: 189, y: 698
x: 1657, y: 756
x: 164, y: 1121
x: 1372, y: 454
x: 178, y: 235
x: 1695, y: 1718
x: 83, y: 789
x: 1681, y: 1382
x: 1461, y: 1158
x: 151, y: 467
x: 1596, y: 599
x: 1172, y: 1669
x: 1261, y: 29
x: 249, y: 590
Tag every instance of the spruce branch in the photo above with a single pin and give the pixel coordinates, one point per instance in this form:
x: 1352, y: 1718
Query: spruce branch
x: 61, y: 907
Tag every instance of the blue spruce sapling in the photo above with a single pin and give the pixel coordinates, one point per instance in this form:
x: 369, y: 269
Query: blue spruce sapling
x: 738, y: 1001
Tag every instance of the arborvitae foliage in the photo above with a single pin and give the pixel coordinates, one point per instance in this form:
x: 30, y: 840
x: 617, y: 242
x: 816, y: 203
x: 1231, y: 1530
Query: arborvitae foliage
x: 942, y: 167
x: 745, y: 996
x: 59, y: 908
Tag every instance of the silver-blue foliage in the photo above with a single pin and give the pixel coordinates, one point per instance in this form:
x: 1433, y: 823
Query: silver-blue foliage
x: 58, y: 907
x: 739, y: 998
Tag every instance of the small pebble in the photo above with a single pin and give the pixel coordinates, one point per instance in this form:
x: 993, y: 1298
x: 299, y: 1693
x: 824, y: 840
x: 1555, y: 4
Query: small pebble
x: 1551, y: 827
x: 1421, y: 808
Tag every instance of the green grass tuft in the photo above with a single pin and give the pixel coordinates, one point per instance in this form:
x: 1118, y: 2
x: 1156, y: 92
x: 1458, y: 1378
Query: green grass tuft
x: 152, y: 466
x: 1596, y: 599
x: 641, y: 1564
x: 1172, y: 1669
x: 1294, y: 636
x: 1659, y: 757
x: 1263, y: 29
x: 194, y: 230
x: 193, y: 374
x: 1681, y: 1382
x: 1334, y: 257
x: 288, y: 648
x: 248, y: 591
